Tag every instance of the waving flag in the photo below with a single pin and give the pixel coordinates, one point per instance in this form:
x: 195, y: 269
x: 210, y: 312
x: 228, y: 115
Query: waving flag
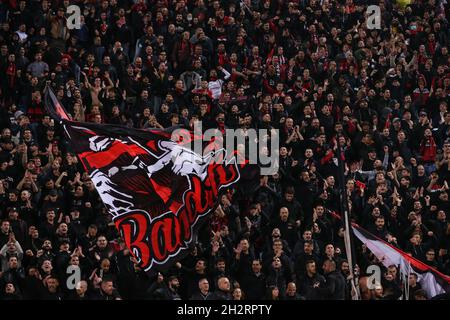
x: 431, y: 280
x: 53, y: 107
x: 158, y: 191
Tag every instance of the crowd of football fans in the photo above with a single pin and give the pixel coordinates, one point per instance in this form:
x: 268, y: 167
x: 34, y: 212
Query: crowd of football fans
x: 312, y: 69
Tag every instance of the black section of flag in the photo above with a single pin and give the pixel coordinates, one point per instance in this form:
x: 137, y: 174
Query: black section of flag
x: 158, y: 191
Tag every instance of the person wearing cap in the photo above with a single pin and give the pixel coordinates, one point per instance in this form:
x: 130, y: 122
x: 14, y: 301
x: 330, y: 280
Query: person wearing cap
x: 53, y: 200
x: 18, y: 114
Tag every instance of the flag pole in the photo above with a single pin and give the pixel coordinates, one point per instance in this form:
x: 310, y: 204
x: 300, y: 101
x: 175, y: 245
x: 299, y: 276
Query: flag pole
x: 407, y: 281
x: 344, y: 213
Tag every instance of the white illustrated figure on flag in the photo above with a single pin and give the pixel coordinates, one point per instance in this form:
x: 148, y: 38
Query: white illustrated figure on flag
x: 185, y: 162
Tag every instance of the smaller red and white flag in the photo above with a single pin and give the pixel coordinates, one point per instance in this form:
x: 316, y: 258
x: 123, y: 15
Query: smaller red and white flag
x: 431, y: 280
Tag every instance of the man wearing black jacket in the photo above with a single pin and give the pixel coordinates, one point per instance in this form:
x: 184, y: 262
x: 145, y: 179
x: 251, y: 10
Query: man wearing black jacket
x: 291, y: 292
x: 107, y: 291
x: 312, y: 284
x: 307, y: 256
x: 254, y: 285
x: 335, y: 282
x: 14, y: 274
x: 203, y: 293
x: 294, y: 207
x: 192, y: 277
x: 5, y: 229
x: 160, y: 291
x: 223, y: 291
x: 51, y: 289
x: 81, y: 292
x: 243, y: 260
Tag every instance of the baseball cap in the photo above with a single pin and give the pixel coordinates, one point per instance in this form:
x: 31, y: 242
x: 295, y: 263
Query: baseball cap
x: 18, y: 113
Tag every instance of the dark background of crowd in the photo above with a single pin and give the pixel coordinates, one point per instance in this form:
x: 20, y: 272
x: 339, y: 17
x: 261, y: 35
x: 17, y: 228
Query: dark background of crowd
x: 310, y: 69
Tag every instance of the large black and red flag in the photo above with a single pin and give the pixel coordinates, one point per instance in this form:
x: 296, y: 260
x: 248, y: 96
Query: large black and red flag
x: 158, y: 191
